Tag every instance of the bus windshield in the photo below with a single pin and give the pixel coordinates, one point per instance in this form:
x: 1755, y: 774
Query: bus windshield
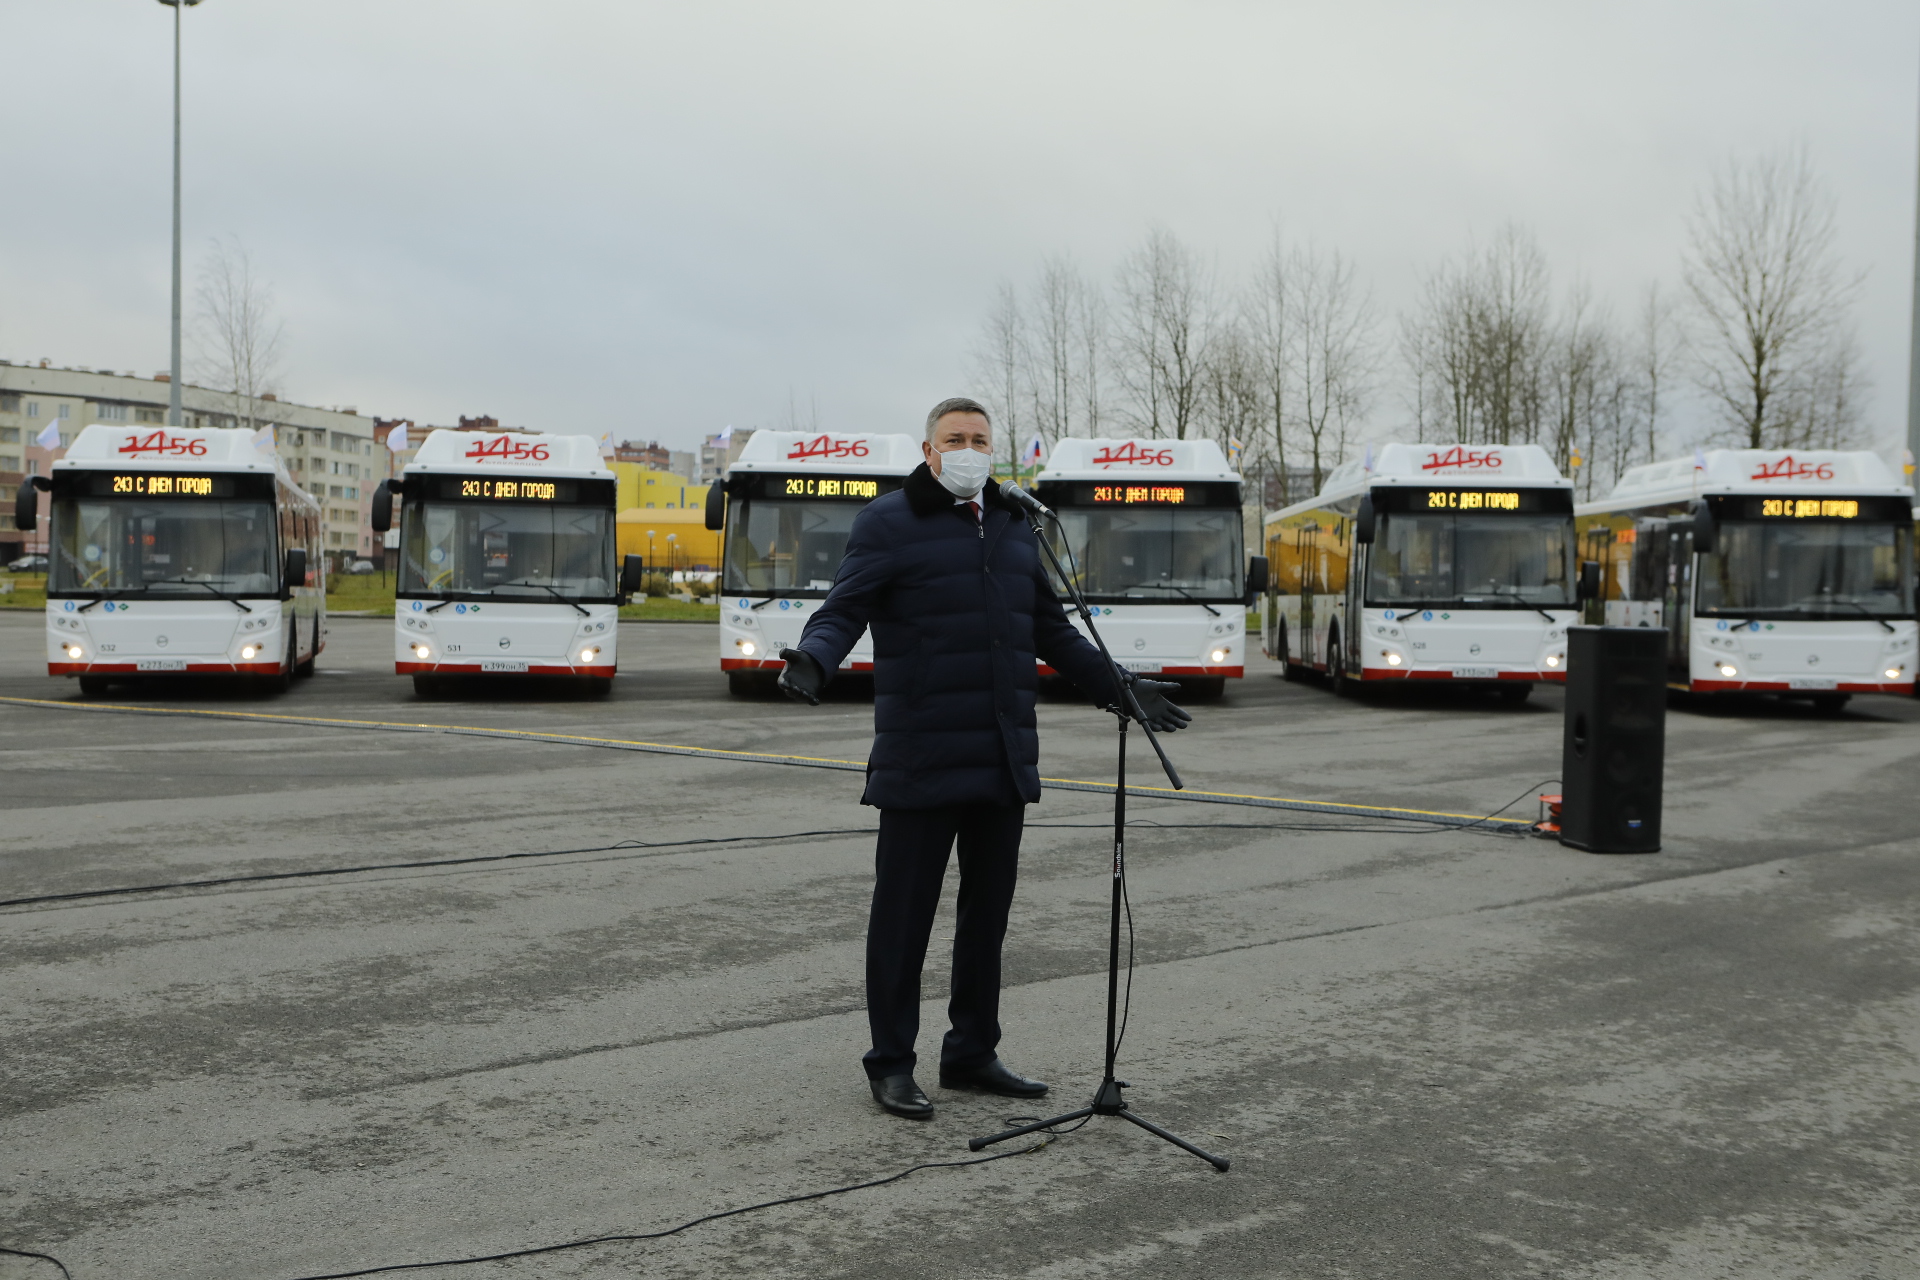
x: 1481, y: 560
x: 171, y: 545
x: 505, y: 549
x: 1153, y: 553
x: 776, y: 544
x: 1813, y: 568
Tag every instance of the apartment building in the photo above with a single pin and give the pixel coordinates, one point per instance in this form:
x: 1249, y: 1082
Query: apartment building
x: 330, y: 452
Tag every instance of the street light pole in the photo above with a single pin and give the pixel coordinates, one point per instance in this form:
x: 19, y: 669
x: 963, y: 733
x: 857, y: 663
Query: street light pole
x: 173, y: 384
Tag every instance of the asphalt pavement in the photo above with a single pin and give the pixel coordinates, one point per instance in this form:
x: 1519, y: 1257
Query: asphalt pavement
x: 1429, y: 1052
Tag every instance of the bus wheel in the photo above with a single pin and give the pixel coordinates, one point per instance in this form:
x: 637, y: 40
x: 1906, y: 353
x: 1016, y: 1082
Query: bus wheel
x: 750, y: 684
x: 305, y: 669
x: 1289, y: 670
x: 1829, y: 704
x: 93, y: 686
x: 599, y: 686
x: 1514, y: 694
x: 282, y: 680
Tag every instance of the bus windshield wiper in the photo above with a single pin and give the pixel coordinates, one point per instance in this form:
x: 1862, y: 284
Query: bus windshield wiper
x: 1168, y: 586
x: 522, y: 582
x: 1515, y: 593
x: 194, y: 582
x: 1855, y: 604
x: 774, y: 593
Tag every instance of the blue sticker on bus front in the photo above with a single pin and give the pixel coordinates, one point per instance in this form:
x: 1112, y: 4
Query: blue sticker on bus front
x: 416, y: 606
x: 1721, y: 625
x: 784, y: 604
x: 745, y: 605
x: 459, y: 608
x: 109, y: 606
x: 69, y: 606
x: 1754, y: 626
x: 1427, y: 616
x: 1388, y: 615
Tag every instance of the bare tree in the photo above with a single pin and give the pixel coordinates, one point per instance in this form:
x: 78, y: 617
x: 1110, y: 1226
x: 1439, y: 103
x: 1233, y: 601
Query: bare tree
x: 1067, y: 321
x: 1477, y: 342
x: 1769, y: 305
x: 1656, y: 353
x: 1002, y: 363
x: 1166, y: 323
x: 236, y: 333
x: 1269, y: 336
x: 1331, y: 323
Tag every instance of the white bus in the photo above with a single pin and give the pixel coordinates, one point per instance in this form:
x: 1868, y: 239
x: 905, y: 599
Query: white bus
x: 184, y: 551
x: 1428, y: 562
x: 787, y: 506
x: 506, y: 560
x: 1154, y: 528
x: 1772, y: 571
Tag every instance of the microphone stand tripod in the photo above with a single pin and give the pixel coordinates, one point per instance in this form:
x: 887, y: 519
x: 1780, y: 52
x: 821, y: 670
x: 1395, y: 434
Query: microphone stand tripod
x: 1107, y: 1100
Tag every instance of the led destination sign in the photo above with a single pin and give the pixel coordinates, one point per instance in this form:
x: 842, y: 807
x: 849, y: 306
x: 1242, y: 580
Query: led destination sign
x: 160, y: 484
x: 1465, y: 500
x: 1141, y: 493
x: 845, y: 488
x: 1754, y: 507
x: 1159, y: 495
x: 500, y: 489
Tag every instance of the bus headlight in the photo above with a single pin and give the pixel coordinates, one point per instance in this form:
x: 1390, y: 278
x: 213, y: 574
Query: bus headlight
x: 249, y: 652
x: 1393, y: 659
x: 1553, y: 660
x: 1893, y: 673
x: 421, y: 652
x: 1218, y: 656
x: 747, y: 648
x: 1728, y: 670
x: 75, y: 652
x: 586, y: 655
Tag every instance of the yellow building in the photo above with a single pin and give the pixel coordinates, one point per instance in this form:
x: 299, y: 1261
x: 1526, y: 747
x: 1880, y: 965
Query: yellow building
x: 670, y: 538
x: 641, y: 487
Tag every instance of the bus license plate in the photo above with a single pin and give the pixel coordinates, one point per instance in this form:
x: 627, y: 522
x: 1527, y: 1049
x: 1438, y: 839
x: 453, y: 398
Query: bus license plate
x: 503, y: 664
x: 161, y: 664
x: 1476, y: 673
x: 1144, y: 668
x: 1810, y: 682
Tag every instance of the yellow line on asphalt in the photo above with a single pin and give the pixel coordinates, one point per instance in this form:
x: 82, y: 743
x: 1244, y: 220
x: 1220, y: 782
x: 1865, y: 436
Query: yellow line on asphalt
x: 754, y: 756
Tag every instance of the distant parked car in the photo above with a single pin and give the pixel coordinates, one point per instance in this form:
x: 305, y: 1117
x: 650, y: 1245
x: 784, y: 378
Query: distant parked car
x: 361, y: 566
x: 28, y: 564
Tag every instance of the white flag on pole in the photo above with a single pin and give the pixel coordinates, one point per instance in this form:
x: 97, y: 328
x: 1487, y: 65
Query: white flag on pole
x: 606, y: 444
x: 49, y: 438
x: 1699, y: 459
x: 397, y: 439
x: 263, y: 439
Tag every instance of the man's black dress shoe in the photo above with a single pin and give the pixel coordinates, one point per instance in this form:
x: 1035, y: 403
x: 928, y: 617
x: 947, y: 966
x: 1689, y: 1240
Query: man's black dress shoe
x: 994, y: 1077
x: 900, y: 1095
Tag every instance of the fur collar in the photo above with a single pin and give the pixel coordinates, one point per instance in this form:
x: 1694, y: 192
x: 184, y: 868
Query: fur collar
x: 927, y: 496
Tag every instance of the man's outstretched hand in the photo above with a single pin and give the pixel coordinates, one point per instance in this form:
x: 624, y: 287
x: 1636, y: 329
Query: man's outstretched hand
x: 803, y: 679
x: 1161, y: 714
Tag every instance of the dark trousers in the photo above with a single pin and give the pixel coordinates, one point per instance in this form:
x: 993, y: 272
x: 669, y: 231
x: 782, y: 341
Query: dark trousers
x: 910, y: 864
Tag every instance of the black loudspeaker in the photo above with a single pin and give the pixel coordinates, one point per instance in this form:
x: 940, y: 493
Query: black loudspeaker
x: 1613, y: 757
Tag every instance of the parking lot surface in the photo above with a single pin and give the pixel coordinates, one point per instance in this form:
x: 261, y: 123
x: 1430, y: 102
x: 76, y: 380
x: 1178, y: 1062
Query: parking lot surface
x: 1428, y: 1052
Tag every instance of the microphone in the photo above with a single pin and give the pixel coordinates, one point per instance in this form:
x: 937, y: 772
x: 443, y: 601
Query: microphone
x: 1014, y: 496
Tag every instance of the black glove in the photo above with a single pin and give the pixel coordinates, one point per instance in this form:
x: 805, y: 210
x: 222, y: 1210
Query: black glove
x: 1161, y: 715
x: 803, y: 679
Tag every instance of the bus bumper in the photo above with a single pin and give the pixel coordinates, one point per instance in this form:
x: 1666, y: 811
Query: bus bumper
x: 1444, y: 673
x: 1903, y: 688
x: 473, y: 669
x: 776, y: 664
x: 1170, y: 669
x: 191, y: 668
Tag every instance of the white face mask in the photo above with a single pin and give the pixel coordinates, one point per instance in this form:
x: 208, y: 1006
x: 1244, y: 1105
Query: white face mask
x: 964, y: 471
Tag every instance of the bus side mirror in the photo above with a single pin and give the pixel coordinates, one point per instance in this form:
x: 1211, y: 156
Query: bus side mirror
x: 633, y: 571
x: 717, y: 505
x: 1589, y: 580
x: 1363, y: 522
x: 296, y: 569
x: 381, y: 517
x: 1257, y: 578
x: 26, y: 507
x: 1706, y: 532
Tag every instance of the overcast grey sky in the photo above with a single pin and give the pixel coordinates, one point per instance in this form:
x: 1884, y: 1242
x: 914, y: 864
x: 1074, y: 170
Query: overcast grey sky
x: 660, y: 219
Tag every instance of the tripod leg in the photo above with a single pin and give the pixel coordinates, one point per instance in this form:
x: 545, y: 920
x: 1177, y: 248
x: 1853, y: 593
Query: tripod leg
x: 1217, y: 1162
x: 974, y: 1144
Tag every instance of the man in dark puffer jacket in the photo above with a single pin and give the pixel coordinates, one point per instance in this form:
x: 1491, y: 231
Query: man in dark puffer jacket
x: 950, y: 581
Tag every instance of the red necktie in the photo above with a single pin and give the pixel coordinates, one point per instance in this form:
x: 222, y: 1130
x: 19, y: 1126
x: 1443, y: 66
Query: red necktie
x: 975, y: 508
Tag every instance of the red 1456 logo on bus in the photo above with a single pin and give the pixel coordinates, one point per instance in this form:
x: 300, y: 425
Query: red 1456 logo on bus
x: 507, y: 449
x: 827, y: 447
x: 160, y: 444
x: 1788, y: 469
x: 1460, y: 458
x: 1130, y: 454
